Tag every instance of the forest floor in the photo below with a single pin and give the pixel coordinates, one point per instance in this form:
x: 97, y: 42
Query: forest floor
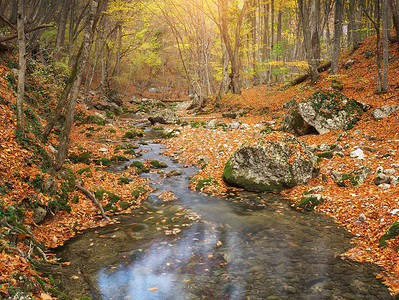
x: 22, y: 179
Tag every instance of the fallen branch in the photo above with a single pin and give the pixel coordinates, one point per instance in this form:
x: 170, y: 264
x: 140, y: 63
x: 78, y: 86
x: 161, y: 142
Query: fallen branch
x: 14, y: 36
x: 92, y: 198
x: 324, y: 67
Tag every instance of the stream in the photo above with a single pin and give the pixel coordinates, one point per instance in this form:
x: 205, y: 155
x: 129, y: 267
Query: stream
x: 210, y: 247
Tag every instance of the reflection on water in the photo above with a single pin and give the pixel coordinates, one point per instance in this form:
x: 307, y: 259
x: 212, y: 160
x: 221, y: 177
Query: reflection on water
x: 233, y: 251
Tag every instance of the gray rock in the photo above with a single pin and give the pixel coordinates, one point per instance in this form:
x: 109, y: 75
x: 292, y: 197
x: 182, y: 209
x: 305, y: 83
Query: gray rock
x: 395, y: 181
x: 370, y: 149
x: 384, y: 111
x: 384, y: 186
x: 355, y: 178
x: 106, y: 105
x: 316, y: 189
x: 234, y: 125
x: 245, y: 126
x: 165, y: 116
x: 349, y: 63
x: 103, y: 150
x: 379, y: 170
x: 321, y: 114
x: 212, y: 124
x: 381, y: 179
x: 389, y: 171
x: 50, y: 186
x: 154, y: 90
x: 39, y: 214
x: 267, y: 167
x: 362, y: 217
x: 358, y: 154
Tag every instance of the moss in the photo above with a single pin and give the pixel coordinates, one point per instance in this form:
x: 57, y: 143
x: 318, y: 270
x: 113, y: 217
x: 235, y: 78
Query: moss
x: 138, y: 164
x: 104, y: 161
x: 310, y: 202
x: 348, y: 180
x: 75, y: 199
x: 132, y: 134
x: 131, y: 152
x: 124, y: 205
x: 206, y: 182
x: 125, y: 146
x: 158, y: 164
x: 86, y: 171
x: 83, y: 157
x: 110, y: 207
x: 327, y: 155
x: 136, y: 194
x: 111, y: 196
x: 91, y: 120
x: 392, y: 232
x: 171, y: 134
x: 124, y: 180
x: 119, y: 158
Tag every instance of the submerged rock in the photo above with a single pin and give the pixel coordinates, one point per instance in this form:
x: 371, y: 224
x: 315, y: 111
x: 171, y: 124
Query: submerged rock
x: 273, y: 166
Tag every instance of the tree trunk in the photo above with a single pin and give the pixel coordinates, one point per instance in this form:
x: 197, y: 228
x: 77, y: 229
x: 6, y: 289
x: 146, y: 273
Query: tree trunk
x: 385, y: 54
x: 77, y: 72
x: 337, y: 36
x: 22, y: 67
x: 395, y: 17
x: 304, y: 15
x: 61, y: 30
x: 119, y: 51
x: 314, y: 28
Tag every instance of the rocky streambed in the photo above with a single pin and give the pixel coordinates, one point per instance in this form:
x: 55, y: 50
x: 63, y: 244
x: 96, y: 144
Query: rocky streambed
x: 204, y: 247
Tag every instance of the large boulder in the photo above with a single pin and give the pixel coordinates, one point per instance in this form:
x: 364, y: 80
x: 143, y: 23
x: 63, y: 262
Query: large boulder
x: 165, y: 116
x: 271, y: 166
x: 323, y: 112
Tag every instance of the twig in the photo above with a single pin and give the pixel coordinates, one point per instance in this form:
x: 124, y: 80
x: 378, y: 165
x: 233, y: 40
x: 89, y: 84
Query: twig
x: 4, y: 20
x: 92, y: 198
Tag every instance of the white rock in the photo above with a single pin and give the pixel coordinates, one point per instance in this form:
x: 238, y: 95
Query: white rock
x: 358, y: 153
x: 384, y: 186
x: 234, y: 125
x: 104, y: 150
x: 389, y: 171
x: 362, y: 217
x: 379, y: 170
x: 395, y: 212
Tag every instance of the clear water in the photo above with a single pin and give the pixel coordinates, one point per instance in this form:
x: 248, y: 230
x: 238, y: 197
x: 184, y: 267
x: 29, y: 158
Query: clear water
x: 234, y: 250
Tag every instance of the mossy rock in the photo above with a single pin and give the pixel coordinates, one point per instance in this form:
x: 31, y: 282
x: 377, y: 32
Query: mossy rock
x: 84, y: 157
x: 309, y: 202
x: 130, y: 151
x: 176, y: 173
x: 119, y: 158
x: 327, y: 155
x: 133, y: 133
x: 124, y: 205
x: 104, y: 161
x: 171, y: 134
x: 68, y: 180
x: 111, y: 196
x: 138, y: 164
x: 158, y: 164
x: 136, y: 194
x: 124, y: 180
x: 110, y: 207
x: 392, y: 232
x: 91, y: 120
x: 125, y: 146
x: 355, y: 178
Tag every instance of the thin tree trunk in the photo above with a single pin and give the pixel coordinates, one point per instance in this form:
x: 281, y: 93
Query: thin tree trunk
x: 385, y: 54
x: 61, y: 30
x: 22, y: 67
x: 80, y: 62
x: 119, y: 51
x: 337, y: 36
x: 395, y: 17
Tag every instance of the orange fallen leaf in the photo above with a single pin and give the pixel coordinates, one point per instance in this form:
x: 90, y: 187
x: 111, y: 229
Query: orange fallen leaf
x: 153, y: 289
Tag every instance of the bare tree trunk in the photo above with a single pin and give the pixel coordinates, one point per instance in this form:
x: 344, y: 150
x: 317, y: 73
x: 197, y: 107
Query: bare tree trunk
x: 385, y: 54
x: 304, y: 15
x: 119, y: 51
x: 82, y: 57
x: 337, y: 36
x: 395, y: 17
x: 22, y: 67
x: 61, y: 30
x: 314, y: 28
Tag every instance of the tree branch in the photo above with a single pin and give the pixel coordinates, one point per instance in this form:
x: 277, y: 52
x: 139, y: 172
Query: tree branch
x: 92, y: 198
x: 14, y: 36
x: 4, y: 20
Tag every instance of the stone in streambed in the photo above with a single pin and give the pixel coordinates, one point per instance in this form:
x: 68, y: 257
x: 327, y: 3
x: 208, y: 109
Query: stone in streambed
x: 271, y: 166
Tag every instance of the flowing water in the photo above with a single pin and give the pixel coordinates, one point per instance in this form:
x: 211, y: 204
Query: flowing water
x: 204, y: 247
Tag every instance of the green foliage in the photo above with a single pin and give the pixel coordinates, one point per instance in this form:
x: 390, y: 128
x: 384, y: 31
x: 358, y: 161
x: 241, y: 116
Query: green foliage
x: 327, y: 155
x: 12, y: 81
x: 91, y: 119
x: 138, y: 164
x: 124, y: 205
x: 206, y: 182
x: 131, y: 151
x: 197, y: 124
